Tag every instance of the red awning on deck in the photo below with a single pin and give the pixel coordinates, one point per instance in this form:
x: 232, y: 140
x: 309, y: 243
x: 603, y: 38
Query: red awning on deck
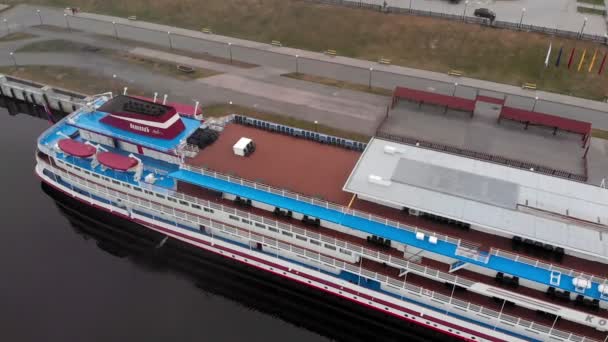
x: 421, y: 96
x: 116, y: 161
x: 76, y: 148
x: 557, y: 122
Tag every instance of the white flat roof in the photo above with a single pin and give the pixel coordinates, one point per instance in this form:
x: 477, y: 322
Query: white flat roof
x: 528, y: 204
x: 242, y: 143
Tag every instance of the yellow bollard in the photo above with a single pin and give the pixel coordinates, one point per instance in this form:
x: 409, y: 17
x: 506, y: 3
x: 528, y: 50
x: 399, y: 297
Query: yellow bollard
x: 580, y: 64
x: 592, y: 61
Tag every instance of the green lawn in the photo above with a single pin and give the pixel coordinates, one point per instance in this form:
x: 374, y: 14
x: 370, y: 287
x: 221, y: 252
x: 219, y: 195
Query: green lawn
x: 220, y: 110
x: 421, y: 42
x: 152, y: 65
x: 16, y: 36
x: 78, y: 80
x: 339, y: 84
x: 590, y: 10
x: 593, y: 2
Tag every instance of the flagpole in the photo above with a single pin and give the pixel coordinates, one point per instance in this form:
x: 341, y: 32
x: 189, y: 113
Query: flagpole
x: 571, y: 57
x: 592, y: 61
x: 602, y: 64
x: 580, y: 64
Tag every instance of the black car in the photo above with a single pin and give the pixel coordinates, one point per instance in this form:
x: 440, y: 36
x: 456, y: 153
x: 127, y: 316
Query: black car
x: 485, y: 13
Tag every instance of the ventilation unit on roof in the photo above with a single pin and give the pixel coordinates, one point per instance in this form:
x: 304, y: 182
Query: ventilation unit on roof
x: 378, y: 180
x: 392, y: 149
x: 243, y: 147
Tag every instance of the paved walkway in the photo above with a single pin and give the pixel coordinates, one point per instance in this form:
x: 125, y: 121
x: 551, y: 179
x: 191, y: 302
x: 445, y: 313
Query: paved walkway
x: 341, y: 68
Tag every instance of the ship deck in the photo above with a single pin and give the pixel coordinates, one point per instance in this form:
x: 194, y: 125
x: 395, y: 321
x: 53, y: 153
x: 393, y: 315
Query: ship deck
x: 319, y: 170
x: 422, y: 281
x: 282, y: 161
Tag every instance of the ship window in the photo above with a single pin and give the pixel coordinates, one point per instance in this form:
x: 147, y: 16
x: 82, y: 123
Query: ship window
x: 287, y: 233
x: 69, y: 165
x: 344, y: 251
x: 245, y: 221
x: 273, y: 229
x: 172, y: 199
x: 183, y: 202
x: 233, y: 217
x: 115, y: 182
x: 96, y: 175
x: 77, y: 168
x: 87, y: 172
x: 315, y: 242
x: 106, y: 178
x: 128, y: 186
x: 259, y: 225
x: 300, y: 237
x: 137, y: 189
x: 330, y: 247
x: 208, y: 210
x: 149, y: 192
x: 196, y: 206
x: 160, y: 196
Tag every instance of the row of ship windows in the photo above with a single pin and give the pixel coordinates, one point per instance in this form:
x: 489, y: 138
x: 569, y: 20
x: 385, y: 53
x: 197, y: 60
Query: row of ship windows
x: 196, y: 206
x: 289, y: 234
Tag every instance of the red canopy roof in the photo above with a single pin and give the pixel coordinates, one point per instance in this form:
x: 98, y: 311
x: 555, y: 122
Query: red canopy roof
x: 570, y: 125
x: 116, y: 161
x: 76, y: 148
x: 434, y: 98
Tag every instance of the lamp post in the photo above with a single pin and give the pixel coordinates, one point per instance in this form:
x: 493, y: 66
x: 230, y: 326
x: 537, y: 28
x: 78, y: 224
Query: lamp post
x: 14, y: 59
x: 316, y: 126
x: 410, y: 5
x: 534, y: 105
x: 67, y: 22
x: 170, y: 41
x: 230, y: 51
x: 8, y: 29
x: 115, y: 30
x: 521, y: 20
x: 583, y: 28
x: 297, y: 65
x: 371, y: 70
x: 464, y: 13
x: 39, y: 16
x: 455, y: 86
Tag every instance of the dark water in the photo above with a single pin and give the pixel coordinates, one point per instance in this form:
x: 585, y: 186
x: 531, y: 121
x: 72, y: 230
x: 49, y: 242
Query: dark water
x: 69, y: 273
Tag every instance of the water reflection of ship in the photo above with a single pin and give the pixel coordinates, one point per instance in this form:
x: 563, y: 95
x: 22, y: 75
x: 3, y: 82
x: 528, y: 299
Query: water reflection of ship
x: 262, y: 292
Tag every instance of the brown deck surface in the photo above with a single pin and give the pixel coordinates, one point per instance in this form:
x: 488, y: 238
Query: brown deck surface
x: 282, y: 161
x: 418, y: 280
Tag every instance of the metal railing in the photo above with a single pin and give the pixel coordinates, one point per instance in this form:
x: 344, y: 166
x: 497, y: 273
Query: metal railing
x: 393, y: 283
x: 467, y: 19
x: 524, y: 165
x: 320, y: 203
x: 547, y: 266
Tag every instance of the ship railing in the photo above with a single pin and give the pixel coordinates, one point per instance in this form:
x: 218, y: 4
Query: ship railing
x: 547, y: 266
x: 355, y: 248
x: 396, y: 284
x: 464, y: 247
x: 318, y: 202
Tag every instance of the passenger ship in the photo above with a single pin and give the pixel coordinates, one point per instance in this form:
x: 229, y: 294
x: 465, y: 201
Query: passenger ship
x: 473, y: 249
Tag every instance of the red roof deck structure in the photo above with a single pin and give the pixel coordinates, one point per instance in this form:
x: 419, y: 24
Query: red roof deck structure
x: 557, y: 122
x: 116, y: 161
x: 421, y: 97
x: 76, y: 148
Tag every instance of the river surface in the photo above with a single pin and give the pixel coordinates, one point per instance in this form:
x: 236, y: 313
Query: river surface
x: 72, y: 274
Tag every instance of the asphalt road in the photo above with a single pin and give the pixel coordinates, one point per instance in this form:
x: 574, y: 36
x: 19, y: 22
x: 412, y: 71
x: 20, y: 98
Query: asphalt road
x: 341, y: 68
